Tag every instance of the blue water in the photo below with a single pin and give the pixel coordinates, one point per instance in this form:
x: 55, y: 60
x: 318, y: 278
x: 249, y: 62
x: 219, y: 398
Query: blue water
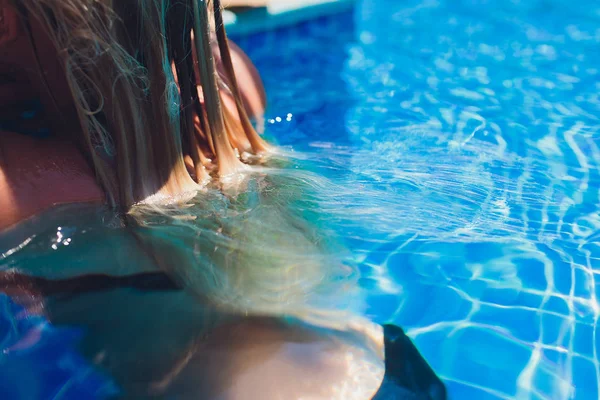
x: 461, y: 142
x: 465, y: 139
x: 39, y: 361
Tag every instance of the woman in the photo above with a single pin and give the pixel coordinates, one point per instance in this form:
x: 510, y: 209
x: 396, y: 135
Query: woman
x: 143, y: 109
x: 98, y: 92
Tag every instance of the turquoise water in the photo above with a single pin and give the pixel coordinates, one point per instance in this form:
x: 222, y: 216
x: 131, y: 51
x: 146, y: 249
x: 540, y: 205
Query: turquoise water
x: 460, y: 144
x: 464, y: 136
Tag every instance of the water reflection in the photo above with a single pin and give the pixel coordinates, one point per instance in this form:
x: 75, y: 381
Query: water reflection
x: 468, y: 176
x: 206, y: 299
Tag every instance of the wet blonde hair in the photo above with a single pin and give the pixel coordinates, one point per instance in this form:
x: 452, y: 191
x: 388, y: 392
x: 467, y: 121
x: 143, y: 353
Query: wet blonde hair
x: 138, y: 95
x: 144, y: 108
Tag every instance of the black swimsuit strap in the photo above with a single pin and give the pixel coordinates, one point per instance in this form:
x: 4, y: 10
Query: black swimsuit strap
x: 407, y: 374
x: 151, y: 281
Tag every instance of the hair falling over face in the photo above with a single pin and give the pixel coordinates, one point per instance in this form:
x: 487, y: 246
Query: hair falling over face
x: 149, y: 80
x: 148, y: 94
x: 150, y: 102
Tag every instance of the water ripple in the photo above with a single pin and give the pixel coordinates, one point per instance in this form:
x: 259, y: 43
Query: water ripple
x: 462, y: 143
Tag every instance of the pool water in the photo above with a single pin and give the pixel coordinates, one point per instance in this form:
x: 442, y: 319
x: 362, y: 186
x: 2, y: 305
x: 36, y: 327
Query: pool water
x: 460, y: 145
x: 464, y: 141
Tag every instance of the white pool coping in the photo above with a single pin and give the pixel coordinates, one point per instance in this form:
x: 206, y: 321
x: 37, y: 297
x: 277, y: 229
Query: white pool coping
x: 280, y: 13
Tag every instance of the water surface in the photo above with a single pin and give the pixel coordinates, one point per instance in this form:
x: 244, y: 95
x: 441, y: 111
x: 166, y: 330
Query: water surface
x: 463, y: 138
x: 448, y: 150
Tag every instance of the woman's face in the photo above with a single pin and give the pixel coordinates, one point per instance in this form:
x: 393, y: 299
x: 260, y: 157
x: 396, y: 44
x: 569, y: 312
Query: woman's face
x: 16, y: 58
x: 29, y: 71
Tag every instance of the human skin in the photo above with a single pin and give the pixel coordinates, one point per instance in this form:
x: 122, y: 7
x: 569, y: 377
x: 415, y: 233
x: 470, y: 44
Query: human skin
x: 38, y: 173
x: 246, y: 355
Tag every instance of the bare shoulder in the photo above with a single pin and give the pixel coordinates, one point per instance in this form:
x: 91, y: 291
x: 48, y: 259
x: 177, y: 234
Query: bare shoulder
x: 36, y: 174
x: 250, y: 84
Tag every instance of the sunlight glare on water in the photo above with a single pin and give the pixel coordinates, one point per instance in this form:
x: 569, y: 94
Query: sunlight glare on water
x: 462, y: 143
x: 449, y: 151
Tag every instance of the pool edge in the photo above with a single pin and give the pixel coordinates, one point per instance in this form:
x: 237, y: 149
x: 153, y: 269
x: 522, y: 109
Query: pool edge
x: 277, y: 15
